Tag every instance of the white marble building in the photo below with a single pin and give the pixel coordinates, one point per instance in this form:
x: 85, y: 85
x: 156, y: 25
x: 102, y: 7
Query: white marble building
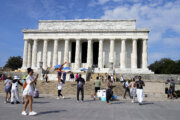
x: 83, y: 43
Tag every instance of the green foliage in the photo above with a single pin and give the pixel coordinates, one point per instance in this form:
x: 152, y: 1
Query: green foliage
x: 14, y: 63
x: 165, y: 66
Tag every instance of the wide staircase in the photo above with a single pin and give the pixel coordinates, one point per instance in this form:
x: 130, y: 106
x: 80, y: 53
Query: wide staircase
x: 70, y: 88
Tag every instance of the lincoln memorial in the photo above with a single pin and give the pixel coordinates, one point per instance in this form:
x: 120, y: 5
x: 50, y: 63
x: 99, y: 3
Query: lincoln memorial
x: 101, y: 44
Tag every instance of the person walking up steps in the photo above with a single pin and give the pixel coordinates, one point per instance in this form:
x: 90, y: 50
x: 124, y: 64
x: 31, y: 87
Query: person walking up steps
x: 80, y: 87
x: 140, y: 85
x: 29, y: 91
x: 60, y: 86
x: 133, y: 89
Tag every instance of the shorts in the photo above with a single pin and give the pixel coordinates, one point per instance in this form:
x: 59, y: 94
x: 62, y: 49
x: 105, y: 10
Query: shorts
x: 7, y: 89
x: 97, y: 88
x: 59, y: 74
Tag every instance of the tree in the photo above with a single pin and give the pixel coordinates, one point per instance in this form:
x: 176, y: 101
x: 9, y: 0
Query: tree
x: 165, y: 66
x: 14, y: 63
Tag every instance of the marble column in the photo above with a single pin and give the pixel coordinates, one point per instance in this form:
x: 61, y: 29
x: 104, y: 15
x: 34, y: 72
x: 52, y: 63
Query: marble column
x: 100, y: 58
x: 77, y: 54
x: 25, y: 53
x: 66, y: 52
x: 134, y: 54
x: 89, y: 53
x: 45, y: 49
x: 29, y: 54
x: 144, y: 55
x: 111, y: 59
x: 123, y: 54
x: 34, y: 54
x: 55, y: 53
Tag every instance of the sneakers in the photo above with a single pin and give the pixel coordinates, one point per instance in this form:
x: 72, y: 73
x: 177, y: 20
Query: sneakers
x: 5, y: 102
x: 17, y: 102
x: 57, y: 98
x: 32, y: 113
x: 23, y: 113
x: 63, y: 97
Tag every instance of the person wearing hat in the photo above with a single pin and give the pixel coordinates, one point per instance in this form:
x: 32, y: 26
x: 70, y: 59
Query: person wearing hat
x: 15, y: 90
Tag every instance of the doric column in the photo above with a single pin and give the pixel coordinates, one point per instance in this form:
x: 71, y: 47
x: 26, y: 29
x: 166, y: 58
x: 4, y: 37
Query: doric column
x: 89, y: 53
x: 77, y: 54
x: 144, y: 55
x: 29, y: 54
x: 123, y: 54
x: 45, y: 49
x: 55, y: 53
x: 34, y: 54
x: 25, y: 53
x: 66, y: 52
x: 134, y: 54
x: 111, y: 59
x: 100, y: 58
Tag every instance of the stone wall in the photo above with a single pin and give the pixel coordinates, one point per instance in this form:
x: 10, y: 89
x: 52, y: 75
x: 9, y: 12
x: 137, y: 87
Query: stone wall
x: 145, y: 77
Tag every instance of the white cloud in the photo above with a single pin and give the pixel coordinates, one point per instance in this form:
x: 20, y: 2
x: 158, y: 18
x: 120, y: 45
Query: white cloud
x: 159, y: 19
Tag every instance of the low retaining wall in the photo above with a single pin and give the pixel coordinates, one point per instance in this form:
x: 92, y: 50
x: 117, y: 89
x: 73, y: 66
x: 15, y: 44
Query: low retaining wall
x: 145, y: 77
x: 153, y: 77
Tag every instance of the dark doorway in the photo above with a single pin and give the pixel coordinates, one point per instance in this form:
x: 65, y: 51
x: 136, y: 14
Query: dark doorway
x: 139, y: 53
x: 95, y: 53
x: 73, y: 50
x: 84, y: 52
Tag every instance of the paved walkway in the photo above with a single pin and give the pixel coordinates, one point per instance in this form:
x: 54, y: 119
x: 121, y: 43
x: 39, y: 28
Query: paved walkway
x: 68, y: 109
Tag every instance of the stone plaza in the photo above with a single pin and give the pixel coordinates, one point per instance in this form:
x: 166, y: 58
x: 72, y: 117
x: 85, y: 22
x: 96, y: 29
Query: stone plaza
x: 68, y: 109
x: 104, y: 44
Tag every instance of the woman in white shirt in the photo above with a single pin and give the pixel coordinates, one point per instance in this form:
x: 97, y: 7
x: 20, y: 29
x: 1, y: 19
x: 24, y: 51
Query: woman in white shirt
x: 28, y: 92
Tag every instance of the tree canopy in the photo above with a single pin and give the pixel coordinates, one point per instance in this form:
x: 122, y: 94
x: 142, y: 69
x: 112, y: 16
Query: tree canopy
x: 165, y: 66
x: 14, y: 63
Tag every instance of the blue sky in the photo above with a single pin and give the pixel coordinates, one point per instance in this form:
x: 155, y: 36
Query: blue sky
x: 161, y: 16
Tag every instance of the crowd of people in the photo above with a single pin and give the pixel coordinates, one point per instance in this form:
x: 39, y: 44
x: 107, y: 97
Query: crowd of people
x: 132, y: 87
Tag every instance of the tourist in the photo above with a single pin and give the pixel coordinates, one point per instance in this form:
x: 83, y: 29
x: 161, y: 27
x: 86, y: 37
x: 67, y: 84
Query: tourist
x: 60, y: 70
x: 64, y: 77
x: 23, y: 80
x: 45, y: 76
x: 76, y: 76
x: 60, y: 86
x: 112, y: 80
x: 172, y: 89
x: 28, y: 92
x: 121, y: 79
x: 97, y: 84
x: 126, y: 87
x: 72, y: 77
x: 15, y: 90
x: 133, y: 89
x: 2, y: 77
x: 140, y: 85
x: 80, y: 87
x: 106, y: 77
x: 7, y: 89
x: 109, y: 92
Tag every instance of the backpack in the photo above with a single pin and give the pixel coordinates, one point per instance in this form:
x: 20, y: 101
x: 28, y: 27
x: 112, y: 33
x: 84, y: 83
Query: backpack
x: 24, y: 85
